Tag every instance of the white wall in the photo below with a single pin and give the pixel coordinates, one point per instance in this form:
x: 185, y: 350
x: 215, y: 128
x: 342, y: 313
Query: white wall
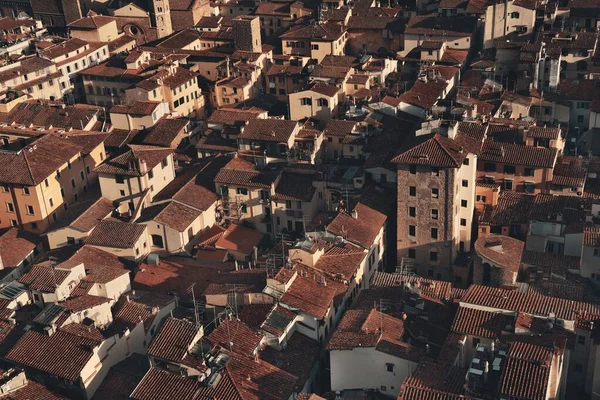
x: 365, y: 367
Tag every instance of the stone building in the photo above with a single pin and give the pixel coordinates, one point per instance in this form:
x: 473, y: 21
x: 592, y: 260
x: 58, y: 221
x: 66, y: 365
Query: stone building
x: 436, y: 196
x: 497, y: 260
x: 246, y: 33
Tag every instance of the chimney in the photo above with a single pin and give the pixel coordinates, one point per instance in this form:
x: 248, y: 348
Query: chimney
x: 143, y: 167
x: 354, y: 214
x: 1, y: 263
x: 227, y: 73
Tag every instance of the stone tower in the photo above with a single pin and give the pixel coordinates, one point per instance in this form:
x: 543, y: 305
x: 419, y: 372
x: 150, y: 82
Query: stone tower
x: 246, y: 33
x: 161, y: 17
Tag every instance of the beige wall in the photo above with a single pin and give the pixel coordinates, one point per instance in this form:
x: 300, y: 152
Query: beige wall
x: 501, y: 20
x: 314, y: 49
x: 105, y: 33
x: 322, y: 113
x: 134, y: 186
x: 452, y: 42
x: 46, y: 198
x: 541, y: 176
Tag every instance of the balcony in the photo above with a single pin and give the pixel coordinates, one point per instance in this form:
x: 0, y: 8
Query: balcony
x: 294, y: 214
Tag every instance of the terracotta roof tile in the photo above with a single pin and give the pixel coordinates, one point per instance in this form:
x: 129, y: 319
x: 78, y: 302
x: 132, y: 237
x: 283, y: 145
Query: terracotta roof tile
x: 527, y: 371
x: 44, y: 277
x: 432, y: 288
x: 504, y: 251
x: 15, y: 245
x: 270, y: 130
x: 361, y: 230
x: 236, y: 336
x: 517, y: 154
x: 37, y: 161
x: 328, y: 31
x: 338, y: 127
x: 41, y: 114
x: 480, y: 323
x: 231, y: 116
x: 297, y: 358
x: 569, y: 174
x: 62, y: 354
x: 173, y: 340
x: 239, y: 239
x: 123, y: 378
x: 438, y: 377
x: 582, y: 90
x: 84, y: 302
x: 85, y: 215
x: 105, y: 234
x: 529, y: 302
x: 121, y: 164
x: 242, y: 173
x: 439, y: 26
x: 160, y: 383
x: 294, y: 187
x: 100, y: 266
x: 309, y: 296
x: 438, y: 151
x: 130, y: 313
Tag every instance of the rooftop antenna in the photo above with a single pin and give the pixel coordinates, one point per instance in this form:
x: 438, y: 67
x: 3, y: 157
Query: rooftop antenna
x: 195, y: 304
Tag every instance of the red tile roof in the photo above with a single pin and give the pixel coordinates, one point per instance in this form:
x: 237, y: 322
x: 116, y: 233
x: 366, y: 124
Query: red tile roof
x: 239, y: 172
x: 448, y: 379
x: 434, y: 289
x: 231, y: 116
x: 324, y: 32
x: 115, y: 234
x: 173, y: 340
x: 130, y: 313
x: 527, y: 371
x: 298, y: 357
x: 529, y: 302
x: 44, y: 277
x: 517, y: 154
x: 503, y: 251
x: 162, y: 384
x: 363, y: 229
x: 438, y: 150
x: 63, y: 354
x: 33, y: 390
x: 84, y: 302
x: 371, y: 328
x: 480, y: 323
x: 309, y: 296
x: 15, y: 245
x: 239, y: 239
x: 100, y: 266
x: 338, y: 127
x: 236, y: 336
x: 269, y: 129
x: 295, y: 187
x: 441, y: 26
x: 37, y: 161
x: 121, y: 164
